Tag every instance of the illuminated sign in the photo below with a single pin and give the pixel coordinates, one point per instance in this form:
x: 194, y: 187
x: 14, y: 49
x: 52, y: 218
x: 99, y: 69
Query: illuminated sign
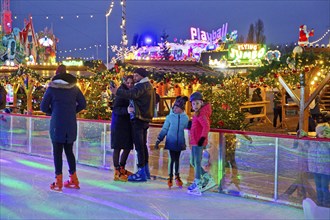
x: 246, y: 53
x: 241, y: 55
x: 198, y: 34
x: 73, y: 62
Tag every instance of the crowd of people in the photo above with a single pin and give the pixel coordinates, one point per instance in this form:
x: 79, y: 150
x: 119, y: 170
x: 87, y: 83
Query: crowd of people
x: 132, y: 110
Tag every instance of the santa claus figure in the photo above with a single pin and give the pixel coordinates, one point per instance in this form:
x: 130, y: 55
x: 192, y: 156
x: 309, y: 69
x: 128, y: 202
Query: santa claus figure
x: 304, y: 35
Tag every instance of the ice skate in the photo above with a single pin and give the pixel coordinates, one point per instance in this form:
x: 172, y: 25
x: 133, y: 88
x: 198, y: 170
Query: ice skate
x: 73, y: 182
x: 178, y: 181
x: 170, y: 182
x: 125, y: 172
x: 195, y: 188
x: 208, y: 182
x: 119, y: 176
x: 58, y: 184
x: 139, y: 176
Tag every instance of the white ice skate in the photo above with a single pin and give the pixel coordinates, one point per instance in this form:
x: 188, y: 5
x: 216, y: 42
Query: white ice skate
x: 208, y: 182
x: 195, y: 188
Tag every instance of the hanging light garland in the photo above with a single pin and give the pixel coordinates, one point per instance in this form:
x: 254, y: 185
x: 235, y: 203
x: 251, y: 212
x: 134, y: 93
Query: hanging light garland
x: 321, y: 38
x: 124, y: 41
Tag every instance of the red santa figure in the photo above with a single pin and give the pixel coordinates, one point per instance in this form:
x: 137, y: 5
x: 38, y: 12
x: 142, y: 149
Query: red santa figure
x: 304, y: 35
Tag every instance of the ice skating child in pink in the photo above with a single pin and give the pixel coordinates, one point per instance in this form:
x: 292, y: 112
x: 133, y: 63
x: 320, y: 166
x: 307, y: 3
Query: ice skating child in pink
x: 198, y: 140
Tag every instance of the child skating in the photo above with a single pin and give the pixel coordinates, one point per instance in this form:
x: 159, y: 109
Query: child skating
x: 173, y: 129
x: 198, y: 140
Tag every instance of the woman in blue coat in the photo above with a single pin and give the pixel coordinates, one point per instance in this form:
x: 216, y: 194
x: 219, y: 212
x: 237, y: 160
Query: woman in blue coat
x: 63, y: 100
x: 173, y: 129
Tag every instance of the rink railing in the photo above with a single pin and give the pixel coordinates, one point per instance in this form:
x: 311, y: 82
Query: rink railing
x: 271, y: 167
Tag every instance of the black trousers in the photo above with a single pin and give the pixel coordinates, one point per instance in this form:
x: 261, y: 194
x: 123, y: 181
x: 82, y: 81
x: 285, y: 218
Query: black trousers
x: 123, y: 157
x: 140, y: 129
x: 58, y: 162
x: 174, y: 160
x: 277, y: 113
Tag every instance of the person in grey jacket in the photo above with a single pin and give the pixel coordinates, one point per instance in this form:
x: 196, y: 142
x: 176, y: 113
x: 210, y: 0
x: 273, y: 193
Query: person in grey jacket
x: 63, y: 100
x: 173, y: 129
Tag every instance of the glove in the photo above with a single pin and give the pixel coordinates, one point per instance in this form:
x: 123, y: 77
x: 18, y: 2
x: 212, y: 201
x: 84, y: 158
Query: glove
x: 201, y: 141
x: 157, y: 144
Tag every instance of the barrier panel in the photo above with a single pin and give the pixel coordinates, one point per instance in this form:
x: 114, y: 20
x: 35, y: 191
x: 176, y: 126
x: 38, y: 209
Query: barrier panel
x: 273, y: 167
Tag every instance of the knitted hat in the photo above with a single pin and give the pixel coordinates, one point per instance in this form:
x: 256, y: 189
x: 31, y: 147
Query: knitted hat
x: 196, y: 96
x: 181, y: 102
x: 142, y: 72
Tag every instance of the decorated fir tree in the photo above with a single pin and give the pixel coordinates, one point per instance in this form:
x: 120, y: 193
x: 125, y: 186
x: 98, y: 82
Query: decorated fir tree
x: 226, y: 102
x: 165, y: 50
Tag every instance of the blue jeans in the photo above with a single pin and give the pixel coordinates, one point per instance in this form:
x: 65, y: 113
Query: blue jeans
x: 322, y: 188
x: 195, y: 161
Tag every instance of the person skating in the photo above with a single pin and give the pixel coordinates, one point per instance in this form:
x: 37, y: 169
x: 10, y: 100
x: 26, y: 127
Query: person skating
x: 63, y: 100
x: 198, y: 140
x: 173, y: 129
x: 121, y: 133
x: 143, y: 100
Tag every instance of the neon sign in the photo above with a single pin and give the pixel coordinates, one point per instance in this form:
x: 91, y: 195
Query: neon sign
x: 198, y: 34
x: 246, y: 53
x: 241, y: 55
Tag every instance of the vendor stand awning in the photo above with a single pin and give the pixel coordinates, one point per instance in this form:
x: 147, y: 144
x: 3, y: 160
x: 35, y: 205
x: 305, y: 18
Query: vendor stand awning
x: 162, y: 66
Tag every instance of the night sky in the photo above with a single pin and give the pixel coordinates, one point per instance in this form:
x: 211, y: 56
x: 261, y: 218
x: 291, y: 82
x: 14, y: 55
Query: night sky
x: 281, y: 19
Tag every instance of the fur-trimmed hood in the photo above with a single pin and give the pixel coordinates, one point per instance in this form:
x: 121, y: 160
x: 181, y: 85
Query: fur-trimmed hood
x: 63, y: 81
x: 61, y: 84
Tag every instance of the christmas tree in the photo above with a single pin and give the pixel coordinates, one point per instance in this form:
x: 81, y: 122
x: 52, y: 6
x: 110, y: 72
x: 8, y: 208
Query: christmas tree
x: 165, y: 50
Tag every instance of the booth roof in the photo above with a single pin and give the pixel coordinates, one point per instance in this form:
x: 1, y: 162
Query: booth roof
x: 173, y: 67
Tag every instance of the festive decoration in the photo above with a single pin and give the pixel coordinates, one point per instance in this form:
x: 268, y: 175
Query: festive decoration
x: 290, y: 66
x: 226, y: 102
x: 165, y: 49
x: 304, y: 35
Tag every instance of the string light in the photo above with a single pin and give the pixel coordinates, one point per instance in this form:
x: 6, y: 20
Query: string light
x: 321, y: 38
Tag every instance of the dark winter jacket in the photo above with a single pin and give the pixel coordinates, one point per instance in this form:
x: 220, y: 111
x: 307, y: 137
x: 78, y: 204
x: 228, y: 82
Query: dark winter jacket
x: 63, y: 100
x: 121, y: 128
x: 173, y: 129
x: 3, y: 97
x: 144, y: 98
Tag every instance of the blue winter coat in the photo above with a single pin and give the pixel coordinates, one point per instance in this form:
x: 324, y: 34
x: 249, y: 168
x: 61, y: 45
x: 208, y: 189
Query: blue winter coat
x: 63, y: 100
x: 173, y: 129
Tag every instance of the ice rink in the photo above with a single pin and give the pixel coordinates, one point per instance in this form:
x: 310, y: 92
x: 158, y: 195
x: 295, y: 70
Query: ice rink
x: 25, y: 194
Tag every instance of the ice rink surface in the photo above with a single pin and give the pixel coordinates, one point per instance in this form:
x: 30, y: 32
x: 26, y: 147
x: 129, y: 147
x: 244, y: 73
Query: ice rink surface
x: 25, y: 194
